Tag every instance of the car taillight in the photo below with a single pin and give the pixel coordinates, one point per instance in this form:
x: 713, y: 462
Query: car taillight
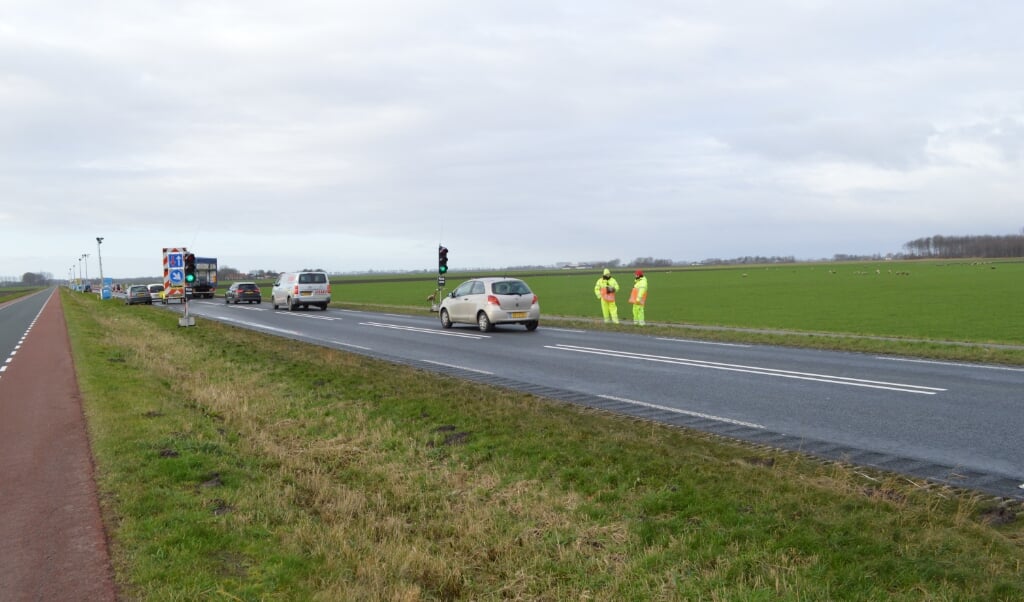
x: 535, y: 300
x: 296, y: 293
x: 492, y: 300
x: 328, y: 289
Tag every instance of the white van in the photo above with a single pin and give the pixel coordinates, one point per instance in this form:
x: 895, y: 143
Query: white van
x: 301, y: 289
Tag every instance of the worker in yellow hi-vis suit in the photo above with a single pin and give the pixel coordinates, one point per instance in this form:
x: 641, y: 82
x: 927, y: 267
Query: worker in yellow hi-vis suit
x: 639, y: 297
x: 604, y: 290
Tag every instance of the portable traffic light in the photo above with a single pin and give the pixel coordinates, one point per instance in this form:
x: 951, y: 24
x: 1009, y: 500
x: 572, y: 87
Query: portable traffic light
x: 190, y: 268
x: 442, y: 259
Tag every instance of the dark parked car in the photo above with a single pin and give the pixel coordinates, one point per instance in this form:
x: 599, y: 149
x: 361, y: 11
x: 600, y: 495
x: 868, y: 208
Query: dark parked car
x: 243, y: 291
x: 138, y: 294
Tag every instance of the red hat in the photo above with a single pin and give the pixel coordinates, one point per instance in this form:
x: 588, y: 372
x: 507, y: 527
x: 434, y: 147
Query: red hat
x: 639, y: 273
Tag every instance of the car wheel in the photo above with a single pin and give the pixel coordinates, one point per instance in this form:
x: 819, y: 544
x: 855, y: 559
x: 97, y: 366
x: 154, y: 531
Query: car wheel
x: 259, y: 301
x: 226, y: 301
x: 236, y: 301
x: 483, y: 322
x: 531, y: 326
x: 323, y: 307
x: 273, y: 301
x: 291, y: 307
x: 446, y: 320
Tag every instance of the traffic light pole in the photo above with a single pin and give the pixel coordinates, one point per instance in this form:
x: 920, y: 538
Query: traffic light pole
x: 442, y: 269
x: 190, y: 278
x: 186, y: 320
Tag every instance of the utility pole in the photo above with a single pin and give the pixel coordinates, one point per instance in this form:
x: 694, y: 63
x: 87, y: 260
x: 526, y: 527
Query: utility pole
x: 85, y: 256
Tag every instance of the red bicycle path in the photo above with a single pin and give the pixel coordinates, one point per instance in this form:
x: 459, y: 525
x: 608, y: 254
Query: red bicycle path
x: 52, y: 541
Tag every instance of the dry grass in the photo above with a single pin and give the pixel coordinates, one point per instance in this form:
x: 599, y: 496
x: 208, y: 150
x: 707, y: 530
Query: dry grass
x: 344, y: 478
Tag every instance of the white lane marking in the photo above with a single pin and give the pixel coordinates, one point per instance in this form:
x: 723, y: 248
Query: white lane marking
x: 826, y: 378
x: 258, y: 326
x: 21, y: 341
x: 686, y: 412
x: 459, y: 367
x: 352, y: 346
x: 704, y: 342
x: 311, y: 317
x: 446, y: 333
x: 547, y: 328
x: 957, y: 364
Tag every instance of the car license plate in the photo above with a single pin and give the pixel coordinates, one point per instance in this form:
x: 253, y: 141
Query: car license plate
x: 305, y: 293
x: 518, y: 315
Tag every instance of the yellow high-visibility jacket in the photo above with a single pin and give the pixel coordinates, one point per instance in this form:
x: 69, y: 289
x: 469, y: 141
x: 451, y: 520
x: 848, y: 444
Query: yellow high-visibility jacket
x: 601, y: 288
x: 639, y: 294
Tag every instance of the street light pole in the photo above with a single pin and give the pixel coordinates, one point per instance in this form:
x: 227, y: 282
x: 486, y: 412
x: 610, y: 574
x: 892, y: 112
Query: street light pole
x: 99, y: 241
x: 85, y: 256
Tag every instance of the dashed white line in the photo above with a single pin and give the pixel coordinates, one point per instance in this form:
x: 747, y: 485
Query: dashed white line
x: 343, y: 344
x: 703, y: 342
x: 685, y: 412
x: 447, y: 333
x: 459, y: 367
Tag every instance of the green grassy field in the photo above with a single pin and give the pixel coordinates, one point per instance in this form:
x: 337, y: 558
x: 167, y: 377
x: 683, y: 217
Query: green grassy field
x: 957, y: 311
x: 956, y: 301
x: 9, y: 293
x: 234, y: 465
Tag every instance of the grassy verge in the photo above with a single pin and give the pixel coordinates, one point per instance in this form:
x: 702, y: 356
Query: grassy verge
x: 234, y: 465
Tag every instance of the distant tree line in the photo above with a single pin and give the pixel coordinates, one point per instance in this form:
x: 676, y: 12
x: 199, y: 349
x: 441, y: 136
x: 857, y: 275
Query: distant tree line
x: 749, y: 259
x: 1011, y: 245
x: 33, y: 279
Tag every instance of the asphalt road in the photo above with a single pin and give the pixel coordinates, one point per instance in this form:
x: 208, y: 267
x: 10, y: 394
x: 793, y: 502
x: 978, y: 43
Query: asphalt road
x: 951, y: 423
x: 16, y: 318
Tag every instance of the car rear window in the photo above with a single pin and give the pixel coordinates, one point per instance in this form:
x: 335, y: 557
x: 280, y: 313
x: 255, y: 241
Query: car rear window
x: 511, y: 287
x: 312, y: 278
x: 247, y: 287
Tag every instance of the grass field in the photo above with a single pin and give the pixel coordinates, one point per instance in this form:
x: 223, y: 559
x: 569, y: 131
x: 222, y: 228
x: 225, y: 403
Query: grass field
x: 9, y: 293
x: 234, y: 465
x: 958, y: 301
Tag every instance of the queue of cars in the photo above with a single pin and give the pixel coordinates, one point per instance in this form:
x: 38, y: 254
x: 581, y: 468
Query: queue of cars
x: 485, y: 302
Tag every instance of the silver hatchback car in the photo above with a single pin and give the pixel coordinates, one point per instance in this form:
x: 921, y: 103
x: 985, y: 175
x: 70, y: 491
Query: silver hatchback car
x: 490, y: 301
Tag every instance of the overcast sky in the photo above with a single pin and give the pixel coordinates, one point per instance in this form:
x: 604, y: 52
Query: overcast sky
x: 355, y: 136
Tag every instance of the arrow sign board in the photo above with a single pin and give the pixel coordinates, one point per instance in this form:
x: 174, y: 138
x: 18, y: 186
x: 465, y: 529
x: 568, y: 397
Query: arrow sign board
x: 177, y: 276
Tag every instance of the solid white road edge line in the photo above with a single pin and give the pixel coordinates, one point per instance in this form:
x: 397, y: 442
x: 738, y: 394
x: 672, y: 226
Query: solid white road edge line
x: 957, y: 364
